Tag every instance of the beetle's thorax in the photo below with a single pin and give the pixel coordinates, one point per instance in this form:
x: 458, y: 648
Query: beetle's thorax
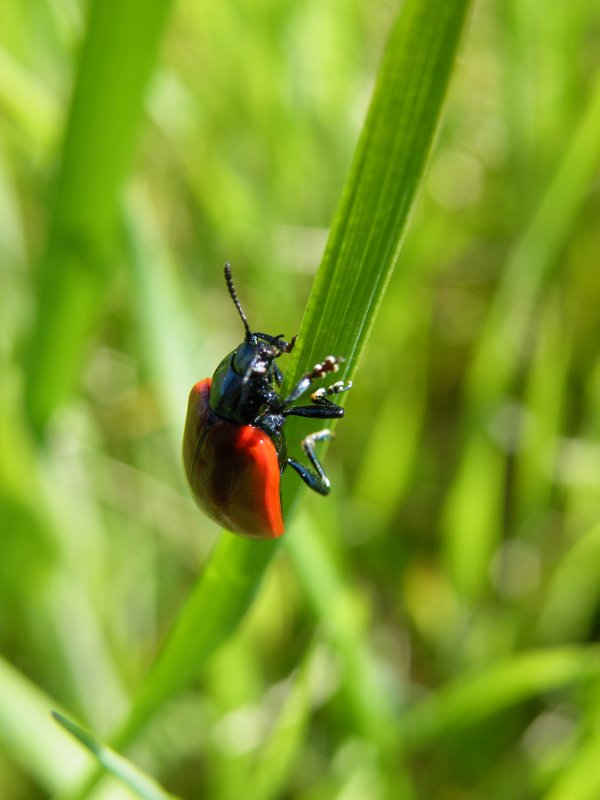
x: 242, y: 386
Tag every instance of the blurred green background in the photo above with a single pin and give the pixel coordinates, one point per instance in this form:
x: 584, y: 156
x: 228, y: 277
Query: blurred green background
x: 434, y: 635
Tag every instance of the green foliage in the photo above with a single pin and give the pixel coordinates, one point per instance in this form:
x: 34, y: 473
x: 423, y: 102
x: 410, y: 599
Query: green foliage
x: 117, y: 58
x: 429, y: 629
x: 143, y: 786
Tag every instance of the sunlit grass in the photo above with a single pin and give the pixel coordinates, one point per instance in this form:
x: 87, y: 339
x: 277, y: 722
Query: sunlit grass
x: 429, y: 628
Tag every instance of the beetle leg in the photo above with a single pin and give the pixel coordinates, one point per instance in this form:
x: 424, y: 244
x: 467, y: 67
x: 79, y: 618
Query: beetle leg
x: 317, y: 480
x: 323, y: 408
x: 291, y: 344
x: 278, y: 341
x: 330, y: 364
x: 330, y: 411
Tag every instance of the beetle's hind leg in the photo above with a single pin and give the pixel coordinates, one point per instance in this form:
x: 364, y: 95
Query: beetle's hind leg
x: 317, y: 480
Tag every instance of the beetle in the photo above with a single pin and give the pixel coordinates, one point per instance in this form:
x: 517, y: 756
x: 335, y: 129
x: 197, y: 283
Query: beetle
x: 234, y: 447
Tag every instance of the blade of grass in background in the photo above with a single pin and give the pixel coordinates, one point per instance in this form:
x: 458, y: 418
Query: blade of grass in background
x: 567, y: 614
x: 473, y: 514
x: 143, y: 785
x: 22, y: 96
x: 335, y: 604
x: 338, y: 606
x: 57, y: 587
x: 390, y: 160
x: 544, y: 407
x: 360, y: 257
x: 473, y: 698
x: 29, y: 736
x: 117, y: 60
x: 265, y: 778
x: 160, y: 313
x: 26, y: 732
x: 581, y: 779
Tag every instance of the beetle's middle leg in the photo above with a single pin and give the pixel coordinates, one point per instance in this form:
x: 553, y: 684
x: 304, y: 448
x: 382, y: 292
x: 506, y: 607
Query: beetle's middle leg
x: 322, y: 408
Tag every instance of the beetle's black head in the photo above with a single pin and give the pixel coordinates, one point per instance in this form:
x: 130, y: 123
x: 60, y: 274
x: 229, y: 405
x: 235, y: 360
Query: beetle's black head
x: 254, y: 356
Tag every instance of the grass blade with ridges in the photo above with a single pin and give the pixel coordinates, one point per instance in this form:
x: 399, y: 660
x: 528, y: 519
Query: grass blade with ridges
x: 117, y: 59
x: 362, y: 252
x: 392, y: 152
x: 133, y: 777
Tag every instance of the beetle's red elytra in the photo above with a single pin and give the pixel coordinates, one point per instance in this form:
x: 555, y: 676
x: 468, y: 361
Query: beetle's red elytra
x: 233, y: 470
x: 234, y: 448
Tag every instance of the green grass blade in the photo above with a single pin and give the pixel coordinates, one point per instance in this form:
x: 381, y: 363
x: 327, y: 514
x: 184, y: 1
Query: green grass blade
x: 473, y: 516
x: 133, y: 777
x: 366, y: 235
x: 581, y: 779
x: 530, y: 265
x: 391, y: 157
x: 218, y: 602
x: 361, y: 254
x: 24, y: 99
x: 28, y: 736
x: 161, y: 316
x: 266, y: 780
x: 473, y: 698
x: 544, y: 401
x: 117, y: 60
x: 335, y: 604
x: 567, y: 614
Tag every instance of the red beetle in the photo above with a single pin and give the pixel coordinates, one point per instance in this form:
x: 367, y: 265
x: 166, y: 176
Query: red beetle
x: 234, y: 448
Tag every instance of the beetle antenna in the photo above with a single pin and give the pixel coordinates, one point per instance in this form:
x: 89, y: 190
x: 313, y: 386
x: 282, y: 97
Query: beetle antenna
x: 234, y: 297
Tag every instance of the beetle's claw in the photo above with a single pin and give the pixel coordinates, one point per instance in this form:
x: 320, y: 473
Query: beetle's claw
x: 320, y: 436
x: 338, y: 387
x: 290, y: 345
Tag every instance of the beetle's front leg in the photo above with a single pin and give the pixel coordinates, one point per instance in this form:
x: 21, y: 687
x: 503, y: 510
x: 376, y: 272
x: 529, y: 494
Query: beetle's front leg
x: 278, y: 341
x: 277, y: 375
x: 320, y: 396
x: 330, y: 364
